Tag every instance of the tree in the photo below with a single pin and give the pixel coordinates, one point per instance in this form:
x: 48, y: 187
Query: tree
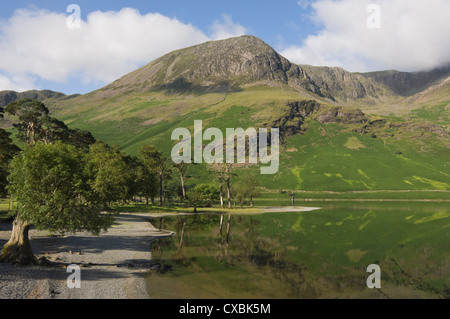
x: 218, y: 171
x: 224, y: 174
x: 202, y: 195
x: 250, y: 185
x: 34, y: 124
x: 140, y: 181
x: 29, y: 114
x: 227, y: 178
x: 80, y: 138
x: 239, y: 193
x: 156, y: 163
x: 246, y: 187
x: 51, y: 130
x: 182, y: 167
x: 7, y: 151
x: 108, y: 173
x: 53, y: 191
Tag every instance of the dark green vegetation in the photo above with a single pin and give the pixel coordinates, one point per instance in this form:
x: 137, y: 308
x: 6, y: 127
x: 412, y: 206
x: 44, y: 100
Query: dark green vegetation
x: 317, y: 254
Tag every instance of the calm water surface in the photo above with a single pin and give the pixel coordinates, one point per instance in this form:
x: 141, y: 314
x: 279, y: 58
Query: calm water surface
x: 318, y: 254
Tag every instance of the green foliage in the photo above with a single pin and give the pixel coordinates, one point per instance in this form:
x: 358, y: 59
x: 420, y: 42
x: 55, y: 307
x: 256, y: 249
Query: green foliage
x: 141, y: 182
x: 202, y: 195
x: 157, y: 164
x: 108, y: 173
x: 33, y: 124
x: 29, y: 113
x: 7, y: 151
x: 56, y: 187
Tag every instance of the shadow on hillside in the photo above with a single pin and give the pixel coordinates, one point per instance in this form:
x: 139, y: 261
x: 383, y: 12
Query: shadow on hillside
x: 182, y: 86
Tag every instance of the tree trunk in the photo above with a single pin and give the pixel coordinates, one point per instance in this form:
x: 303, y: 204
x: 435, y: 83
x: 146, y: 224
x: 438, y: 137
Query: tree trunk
x: 183, y: 188
x: 161, y: 189
x: 18, y: 250
x: 220, y: 226
x: 228, y: 193
x: 180, y: 246
x: 228, y: 229
x: 221, y: 195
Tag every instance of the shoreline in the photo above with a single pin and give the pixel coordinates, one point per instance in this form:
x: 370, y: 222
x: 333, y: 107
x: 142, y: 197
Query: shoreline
x: 112, y: 265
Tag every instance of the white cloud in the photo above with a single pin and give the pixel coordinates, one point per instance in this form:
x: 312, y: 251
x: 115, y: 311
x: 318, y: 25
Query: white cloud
x: 16, y: 83
x: 37, y: 44
x: 226, y: 28
x: 413, y: 35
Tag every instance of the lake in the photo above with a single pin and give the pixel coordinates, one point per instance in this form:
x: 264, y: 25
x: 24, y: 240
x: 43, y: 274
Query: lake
x: 306, y: 255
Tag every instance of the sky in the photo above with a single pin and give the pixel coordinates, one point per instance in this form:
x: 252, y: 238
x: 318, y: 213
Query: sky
x: 78, y: 46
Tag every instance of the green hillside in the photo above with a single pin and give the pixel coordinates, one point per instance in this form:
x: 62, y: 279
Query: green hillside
x: 340, y: 131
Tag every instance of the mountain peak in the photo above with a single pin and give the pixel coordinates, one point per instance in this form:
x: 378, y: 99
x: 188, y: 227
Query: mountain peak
x: 222, y: 64
x: 235, y: 63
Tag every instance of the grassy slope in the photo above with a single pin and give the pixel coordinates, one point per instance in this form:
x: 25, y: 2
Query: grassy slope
x: 327, y: 157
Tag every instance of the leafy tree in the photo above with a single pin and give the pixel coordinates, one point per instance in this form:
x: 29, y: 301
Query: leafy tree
x: 250, y: 185
x: 35, y: 124
x: 108, y: 173
x: 51, y: 130
x: 224, y: 174
x: 80, y: 138
x: 182, y: 167
x: 202, y: 195
x: 239, y: 194
x: 52, y: 185
x: 246, y: 187
x: 7, y: 152
x: 141, y: 181
x: 158, y: 164
x: 29, y: 113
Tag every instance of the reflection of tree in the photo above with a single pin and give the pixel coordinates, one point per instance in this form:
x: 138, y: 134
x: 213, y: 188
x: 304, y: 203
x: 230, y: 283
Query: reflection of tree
x: 223, y: 245
x: 245, y: 246
x: 268, y: 255
x: 180, y: 245
x: 157, y: 248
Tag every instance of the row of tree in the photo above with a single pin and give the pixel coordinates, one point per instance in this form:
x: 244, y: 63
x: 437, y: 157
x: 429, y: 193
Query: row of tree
x: 65, y: 180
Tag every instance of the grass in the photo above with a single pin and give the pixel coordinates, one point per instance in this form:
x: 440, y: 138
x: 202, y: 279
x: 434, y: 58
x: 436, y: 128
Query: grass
x: 5, y: 210
x: 325, y: 158
x: 437, y: 113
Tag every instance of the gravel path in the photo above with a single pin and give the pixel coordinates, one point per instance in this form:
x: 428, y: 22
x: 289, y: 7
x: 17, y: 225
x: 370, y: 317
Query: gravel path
x: 113, y: 264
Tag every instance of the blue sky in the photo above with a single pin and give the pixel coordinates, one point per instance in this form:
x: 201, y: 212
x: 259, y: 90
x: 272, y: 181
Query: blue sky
x: 38, y: 50
x: 267, y: 19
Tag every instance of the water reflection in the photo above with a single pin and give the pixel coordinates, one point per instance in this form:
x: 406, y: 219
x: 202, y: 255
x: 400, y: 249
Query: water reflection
x: 231, y: 240
x: 311, y: 255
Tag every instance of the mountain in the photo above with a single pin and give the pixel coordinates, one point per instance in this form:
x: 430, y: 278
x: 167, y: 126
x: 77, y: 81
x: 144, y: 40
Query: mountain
x: 340, y: 130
